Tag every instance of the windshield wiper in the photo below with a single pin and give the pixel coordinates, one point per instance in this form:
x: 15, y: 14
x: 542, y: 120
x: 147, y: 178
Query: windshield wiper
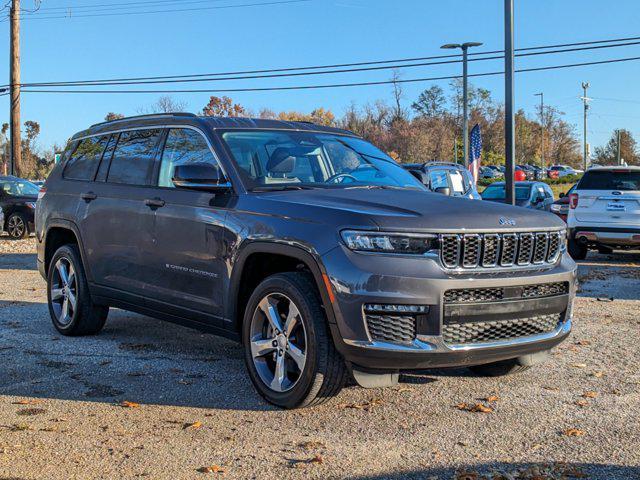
x: 280, y: 188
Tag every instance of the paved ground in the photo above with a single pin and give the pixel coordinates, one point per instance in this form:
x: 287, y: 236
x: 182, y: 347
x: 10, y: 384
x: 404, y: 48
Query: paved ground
x: 60, y: 419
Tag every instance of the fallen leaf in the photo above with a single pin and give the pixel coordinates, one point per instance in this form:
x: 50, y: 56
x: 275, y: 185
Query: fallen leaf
x: 366, y: 406
x: 27, y: 402
x: 31, y: 411
x: 581, y: 403
x: 492, y: 398
x: 477, y: 408
x: 573, y: 432
x: 193, y: 426
x: 128, y: 404
x: 579, y: 365
x: 212, y: 469
x: 20, y: 427
x: 590, y: 394
x: 583, y: 342
x: 597, y: 374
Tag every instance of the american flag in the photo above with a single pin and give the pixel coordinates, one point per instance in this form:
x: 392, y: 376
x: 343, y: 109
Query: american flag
x: 475, y: 152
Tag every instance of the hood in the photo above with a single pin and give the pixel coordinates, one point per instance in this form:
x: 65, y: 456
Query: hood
x: 403, y: 209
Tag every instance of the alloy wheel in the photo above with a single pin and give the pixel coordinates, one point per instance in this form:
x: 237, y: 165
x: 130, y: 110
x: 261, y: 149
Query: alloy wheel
x: 278, y: 342
x: 16, y: 226
x: 64, y: 291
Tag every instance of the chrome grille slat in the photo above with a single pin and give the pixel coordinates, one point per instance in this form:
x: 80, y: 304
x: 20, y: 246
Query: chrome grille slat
x: 499, y: 250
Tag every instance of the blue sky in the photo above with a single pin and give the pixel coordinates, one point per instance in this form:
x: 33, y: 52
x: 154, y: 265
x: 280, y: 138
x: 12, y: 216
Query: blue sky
x: 323, y: 32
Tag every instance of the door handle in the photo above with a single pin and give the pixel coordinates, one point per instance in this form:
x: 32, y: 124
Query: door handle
x: 88, y: 196
x: 154, y: 203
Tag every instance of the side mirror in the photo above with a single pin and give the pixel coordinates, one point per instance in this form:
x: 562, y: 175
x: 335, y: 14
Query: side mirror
x: 200, y: 176
x: 443, y: 190
x: 562, y: 194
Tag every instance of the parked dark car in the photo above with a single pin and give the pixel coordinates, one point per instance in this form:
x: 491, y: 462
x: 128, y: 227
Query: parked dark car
x: 309, y: 245
x: 535, y: 195
x: 445, y: 177
x: 18, y: 202
x: 561, y: 206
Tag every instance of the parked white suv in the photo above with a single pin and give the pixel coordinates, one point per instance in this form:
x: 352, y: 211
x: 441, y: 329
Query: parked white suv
x: 604, y: 211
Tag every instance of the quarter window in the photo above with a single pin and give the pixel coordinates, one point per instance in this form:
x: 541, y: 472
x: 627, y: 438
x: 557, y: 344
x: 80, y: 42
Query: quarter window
x: 85, y: 159
x: 133, y: 158
x: 183, y: 146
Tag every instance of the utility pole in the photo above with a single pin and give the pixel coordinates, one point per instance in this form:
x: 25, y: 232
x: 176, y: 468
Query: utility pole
x: 14, y: 89
x: 509, y: 119
x: 465, y: 95
x: 585, y: 101
x: 541, y: 95
x: 618, y: 149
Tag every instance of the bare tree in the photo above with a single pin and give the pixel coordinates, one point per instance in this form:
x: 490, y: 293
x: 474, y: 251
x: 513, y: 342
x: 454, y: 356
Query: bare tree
x: 164, y: 104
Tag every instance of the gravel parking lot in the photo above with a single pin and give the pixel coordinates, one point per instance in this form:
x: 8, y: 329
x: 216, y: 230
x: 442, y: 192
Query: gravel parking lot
x: 194, y: 414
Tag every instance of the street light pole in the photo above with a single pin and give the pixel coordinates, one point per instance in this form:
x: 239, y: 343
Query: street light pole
x: 465, y: 95
x: 509, y: 119
x: 541, y: 95
x: 585, y: 101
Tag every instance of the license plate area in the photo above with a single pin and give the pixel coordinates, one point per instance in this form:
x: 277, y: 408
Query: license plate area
x: 616, y: 207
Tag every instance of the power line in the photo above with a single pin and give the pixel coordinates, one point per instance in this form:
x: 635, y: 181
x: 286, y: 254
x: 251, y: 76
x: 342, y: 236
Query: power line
x: 280, y: 73
x: 175, y: 10
x: 125, y: 4
x: 340, y: 85
x: 221, y: 7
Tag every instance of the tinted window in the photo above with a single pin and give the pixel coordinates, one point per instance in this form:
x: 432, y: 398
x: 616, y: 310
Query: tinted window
x: 133, y: 159
x: 497, y: 192
x: 19, y: 188
x: 438, y: 179
x: 183, y: 146
x: 610, y: 180
x: 103, y: 169
x: 85, y: 159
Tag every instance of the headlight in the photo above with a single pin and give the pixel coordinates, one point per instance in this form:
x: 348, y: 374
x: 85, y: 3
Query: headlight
x: 384, y: 242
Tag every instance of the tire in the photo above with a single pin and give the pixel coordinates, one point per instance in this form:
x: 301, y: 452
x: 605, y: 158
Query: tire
x: 82, y: 317
x: 17, y: 226
x: 499, y: 369
x: 323, y: 370
x: 578, y: 251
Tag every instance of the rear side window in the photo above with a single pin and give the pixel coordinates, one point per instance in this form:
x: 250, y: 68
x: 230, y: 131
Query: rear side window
x: 84, y: 161
x: 133, y: 158
x: 610, y: 180
x: 183, y: 146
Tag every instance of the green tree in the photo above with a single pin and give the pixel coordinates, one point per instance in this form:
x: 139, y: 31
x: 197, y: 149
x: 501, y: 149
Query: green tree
x: 608, y: 154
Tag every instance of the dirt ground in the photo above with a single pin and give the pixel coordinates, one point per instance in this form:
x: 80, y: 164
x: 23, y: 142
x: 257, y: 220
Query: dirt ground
x: 194, y: 414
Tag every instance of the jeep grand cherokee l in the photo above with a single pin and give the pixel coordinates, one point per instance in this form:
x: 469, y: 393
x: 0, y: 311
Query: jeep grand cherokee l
x: 309, y: 245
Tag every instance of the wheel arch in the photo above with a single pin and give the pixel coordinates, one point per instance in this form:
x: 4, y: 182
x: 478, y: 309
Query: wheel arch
x: 291, y: 257
x: 62, y: 232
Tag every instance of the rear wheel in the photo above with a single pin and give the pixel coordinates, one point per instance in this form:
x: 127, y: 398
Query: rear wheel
x: 70, y: 305
x: 289, y: 352
x: 578, y: 251
x: 17, y: 226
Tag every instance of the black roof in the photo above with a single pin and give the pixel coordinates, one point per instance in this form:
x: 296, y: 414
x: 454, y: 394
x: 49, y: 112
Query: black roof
x: 210, y: 122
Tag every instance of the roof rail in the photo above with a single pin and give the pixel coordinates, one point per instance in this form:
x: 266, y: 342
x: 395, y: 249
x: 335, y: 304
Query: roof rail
x: 149, y: 115
x: 436, y: 162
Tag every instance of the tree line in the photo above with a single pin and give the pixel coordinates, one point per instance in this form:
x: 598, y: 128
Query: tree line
x: 427, y: 128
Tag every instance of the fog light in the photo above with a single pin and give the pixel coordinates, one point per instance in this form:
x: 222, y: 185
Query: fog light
x: 382, y: 308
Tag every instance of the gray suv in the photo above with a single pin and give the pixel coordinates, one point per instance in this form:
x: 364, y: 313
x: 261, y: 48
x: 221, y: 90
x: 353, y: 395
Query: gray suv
x: 307, y: 244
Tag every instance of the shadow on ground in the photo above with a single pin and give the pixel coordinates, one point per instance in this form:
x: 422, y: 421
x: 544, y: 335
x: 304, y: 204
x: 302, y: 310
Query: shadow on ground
x: 530, y: 471
x: 18, y: 261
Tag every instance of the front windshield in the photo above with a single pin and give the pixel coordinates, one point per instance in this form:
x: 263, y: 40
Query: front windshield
x: 274, y: 159
x: 497, y: 192
x: 19, y: 187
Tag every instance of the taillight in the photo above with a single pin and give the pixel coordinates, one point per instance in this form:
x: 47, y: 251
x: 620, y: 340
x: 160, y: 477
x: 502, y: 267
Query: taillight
x: 573, y: 200
x: 41, y: 192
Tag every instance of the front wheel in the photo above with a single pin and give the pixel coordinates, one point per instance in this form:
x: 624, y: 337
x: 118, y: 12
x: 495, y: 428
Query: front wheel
x: 578, y: 251
x: 17, y: 226
x: 289, y: 352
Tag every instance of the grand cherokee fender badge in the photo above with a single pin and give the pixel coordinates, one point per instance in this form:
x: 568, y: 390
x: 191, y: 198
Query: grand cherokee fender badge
x: 507, y: 221
x: 191, y: 271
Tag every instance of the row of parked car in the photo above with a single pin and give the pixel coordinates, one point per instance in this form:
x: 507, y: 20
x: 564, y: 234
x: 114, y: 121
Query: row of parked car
x: 17, y: 206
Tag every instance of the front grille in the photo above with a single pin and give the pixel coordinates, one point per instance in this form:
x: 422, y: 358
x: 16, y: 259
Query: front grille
x: 392, y: 328
x: 472, y: 251
x: 496, y: 294
x: 479, y: 332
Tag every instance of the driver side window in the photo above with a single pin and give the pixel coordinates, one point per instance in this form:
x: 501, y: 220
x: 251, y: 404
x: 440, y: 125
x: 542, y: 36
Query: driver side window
x: 183, y: 146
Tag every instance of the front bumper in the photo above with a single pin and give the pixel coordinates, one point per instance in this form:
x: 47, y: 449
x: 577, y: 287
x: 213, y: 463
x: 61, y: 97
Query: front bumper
x: 359, y: 279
